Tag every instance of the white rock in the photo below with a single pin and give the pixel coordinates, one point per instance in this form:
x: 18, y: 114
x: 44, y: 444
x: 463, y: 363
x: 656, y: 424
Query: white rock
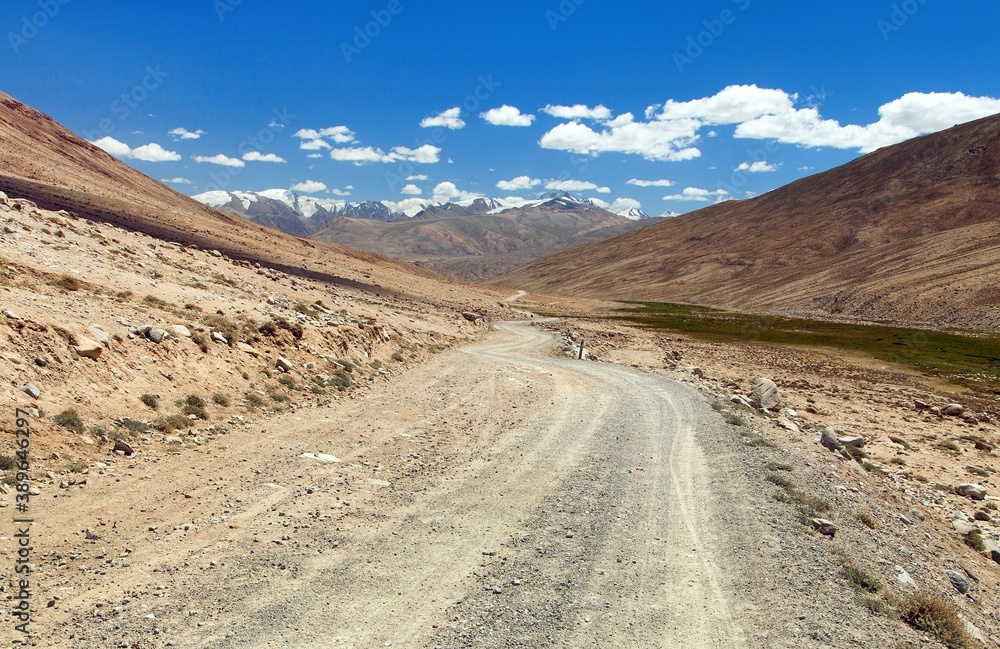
x: 181, y: 331
x: 974, y: 491
x: 89, y: 348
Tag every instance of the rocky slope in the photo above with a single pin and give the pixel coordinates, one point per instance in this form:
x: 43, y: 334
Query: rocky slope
x: 910, y: 233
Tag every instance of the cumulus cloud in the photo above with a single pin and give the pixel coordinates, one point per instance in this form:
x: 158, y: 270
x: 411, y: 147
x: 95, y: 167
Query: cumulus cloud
x: 338, y: 134
x: 314, y: 145
x: 450, y: 118
x: 417, y: 177
x: 181, y: 133
x: 408, y: 206
x: 651, y: 183
x: 575, y: 186
x: 600, y: 203
x: 315, y: 155
x: 579, y: 111
x: 176, y: 181
x: 624, y: 204
x: 412, y: 190
x: 758, y: 167
x: 447, y: 191
x: 426, y: 154
x: 309, y: 187
x: 697, y: 194
x: 256, y: 156
x: 151, y: 152
x: 341, y: 192
x: 507, y: 116
x: 672, y: 129
x: 220, y: 159
x: 521, y: 182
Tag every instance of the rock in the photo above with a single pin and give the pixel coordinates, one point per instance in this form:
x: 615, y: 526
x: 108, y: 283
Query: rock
x: 3, y: 197
x: 219, y: 338
x: 964, y: 527
x: 102, y: 336
x: 31, y: 390
x: 243, y: 347
x: 953, y: 410
x: 982, y: 515
x: 824, y: 526
x: 974, y: 491
x: 906, y: 580
x: 11, y: 358
x: 764, y: 394
x: 958, y: 580
x: 741, y: 400
x: 89, y: 348
x: 283, y: 364
x: 7, y: 229
x: 40, y: 361
x: 10, y: 314
x: 919, y: 515
x: 156, y: 335
x: 696, y: 371
x: 856, y: 442
x: 180, y: 331
x: 829, y: 439
x: 123, y: 447
x: 788, y: 424
x: 921, y: 405
x: 993, y: 550
x: 471, y: 317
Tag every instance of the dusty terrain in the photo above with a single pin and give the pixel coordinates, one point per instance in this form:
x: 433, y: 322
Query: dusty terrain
x: 908, y: 233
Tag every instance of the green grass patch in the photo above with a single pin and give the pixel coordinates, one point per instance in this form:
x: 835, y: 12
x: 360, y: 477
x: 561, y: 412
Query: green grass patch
x: 968, y: 359
x: 860, y: 578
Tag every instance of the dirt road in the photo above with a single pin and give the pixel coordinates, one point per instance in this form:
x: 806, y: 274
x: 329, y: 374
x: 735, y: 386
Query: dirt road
x: 493, y: 497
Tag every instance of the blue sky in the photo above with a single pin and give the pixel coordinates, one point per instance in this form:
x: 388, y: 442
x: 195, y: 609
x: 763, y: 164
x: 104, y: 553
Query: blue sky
x: 675, y: 95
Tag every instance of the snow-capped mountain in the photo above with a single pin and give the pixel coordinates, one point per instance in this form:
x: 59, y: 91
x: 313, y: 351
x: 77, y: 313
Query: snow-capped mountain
x: 634, y: 214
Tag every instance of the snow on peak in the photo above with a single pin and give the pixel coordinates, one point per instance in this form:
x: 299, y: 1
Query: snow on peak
x: 214, y: 199
x: 634, y: 213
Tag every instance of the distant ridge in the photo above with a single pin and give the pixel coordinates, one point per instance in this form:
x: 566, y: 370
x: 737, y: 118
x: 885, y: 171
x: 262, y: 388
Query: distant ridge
x: 908, y: 233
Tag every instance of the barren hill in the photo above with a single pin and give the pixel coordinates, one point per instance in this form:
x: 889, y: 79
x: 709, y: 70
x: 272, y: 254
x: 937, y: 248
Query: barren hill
x: 476, y: 247
x: 910, y: 232
x: 46, y: 163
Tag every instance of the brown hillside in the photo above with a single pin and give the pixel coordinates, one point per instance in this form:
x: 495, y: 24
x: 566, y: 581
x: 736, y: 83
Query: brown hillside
x: 43, y: 161
x: 909, y: 233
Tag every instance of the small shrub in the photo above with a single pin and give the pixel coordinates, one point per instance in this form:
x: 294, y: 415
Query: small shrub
x: 860, y: 578
x: 76, y: 467
x: 898, y: 460
x: 975, y: 470
x: 7, y: 463
x: 230, y: 329
x: 135, y: 426
x: 347, y: 365
x: 220, y: 399
x: 287, y: 381
x: 194, y: 405
x: 171, y: 423
x: 937, y: 617
x: 340, y: 379
x: 975, y: 541
x: 901, y: 441
x: 124, y: 295
x: 315, y: 389
x: 151, y: 401
x: 68, y: 283
x: 376, y: 364
x: 201, y: 341
x: 732, y: 418
x: 398, y: 357
x: 70, y: 420
x: 278, y: 397
x: 781, y: 481
x: 253, y: 400
x: 152, y: 300
x: 192, y: 307
x: 876, y: 605
x: 949, y: 445
x: 867, y: 520
x: 306, y: 310
x: 777, y: 466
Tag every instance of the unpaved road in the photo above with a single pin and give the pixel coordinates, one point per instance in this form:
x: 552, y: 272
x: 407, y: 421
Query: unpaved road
x: 492, y: 497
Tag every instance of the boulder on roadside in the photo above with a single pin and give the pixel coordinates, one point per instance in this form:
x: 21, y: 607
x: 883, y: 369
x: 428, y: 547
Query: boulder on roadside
x: 219, y: 338
x: 829, y: 439
x: 156, y: 335
x: 953, y: 410
x: 958, y: 580
x: 856, y: 442
x: 969, y: 490
x: 764, y: 394
x: 88, y: 348
x: 824, y: 526
x: 121, y: 446
x: 283, y: 364
x: 180, y: 331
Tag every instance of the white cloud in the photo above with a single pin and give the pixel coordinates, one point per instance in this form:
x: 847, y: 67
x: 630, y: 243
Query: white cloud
x: 697, y: 194
x: 181, y: 133
x: 339, y: 134
x: 417, y: 177
x: 309, y: 187
x: 521, y: 182
x: 579, y: 111
x: 450, y: 118
x: 408, y: 205
x: 426, y: 154
x: 412, y: 190
x: 658, y: 140
x: 341, y: 192
x: 151, y: 152
x: 176, y: 181
x: 806, y: 168
x: 623, y: 204
x: 220, y: 159
x: 507, y: 116
x: 314, y: 145
x: 315, y: 155
x: 731, y: 105
x: 447, y: 191
x: 256, y: 156
x: 651, y: 183
x: 575, y: 186
x: 758, y: 167
x: 600, y: 203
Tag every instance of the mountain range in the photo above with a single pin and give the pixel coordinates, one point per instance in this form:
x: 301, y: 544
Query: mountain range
x: 910, y: 232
